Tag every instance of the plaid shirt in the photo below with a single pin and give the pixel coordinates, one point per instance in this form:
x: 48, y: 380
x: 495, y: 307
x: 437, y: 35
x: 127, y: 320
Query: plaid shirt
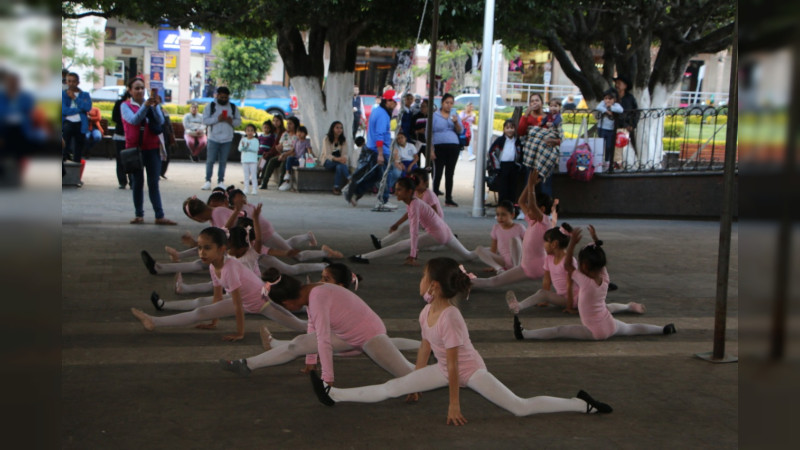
x: 537, y: 154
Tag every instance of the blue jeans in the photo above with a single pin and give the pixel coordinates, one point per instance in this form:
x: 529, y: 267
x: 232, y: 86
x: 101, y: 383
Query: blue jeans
x: 292, y: 161
x: 342, y: 172
x: 152, y: 163
x: 217, y: 151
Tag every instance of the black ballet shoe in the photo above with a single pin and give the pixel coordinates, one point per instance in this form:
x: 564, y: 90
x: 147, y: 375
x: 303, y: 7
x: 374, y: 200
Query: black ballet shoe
x: 236, y: 366
x: 670, y: 329
x: 320, y: 389
x: 157, y: 302
x: 327, y: 260
x: 375, y: 241
x: 593, y: 405
x: 518, y: 329
x: 612, y: 287
x: 358, y: 259
x: 149, y: 262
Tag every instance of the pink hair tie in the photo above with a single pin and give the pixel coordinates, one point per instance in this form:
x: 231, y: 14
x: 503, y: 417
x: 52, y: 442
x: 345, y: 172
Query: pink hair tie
x: 186, y: 206
x: 471, y: 275
x: 247, y: 234
x: 268, y: 287
x: 355, y: 281
x: 564, y: 231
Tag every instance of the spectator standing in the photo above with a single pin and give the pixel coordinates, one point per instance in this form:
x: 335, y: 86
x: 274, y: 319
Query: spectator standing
x: 609, y: 111
x: 406, y: 120
x: 468, y: 116
x: 140, y: 118
x: 630, y: 117
x: 194, y: 132
x: 446, y: 147
x: 569, y: 104
x: 119, y: 140
x: 420, y: 123
x: 222, y: 117
x: 374, y: 157
x: 197, y: 83
x: 358, y: 110
x: 75, y: 104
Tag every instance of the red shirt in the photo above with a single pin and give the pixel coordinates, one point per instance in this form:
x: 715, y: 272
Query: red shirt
x: 528, y: 121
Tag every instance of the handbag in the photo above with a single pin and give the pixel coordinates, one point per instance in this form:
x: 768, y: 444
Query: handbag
x: 131, y: 158
x: 310, y: 162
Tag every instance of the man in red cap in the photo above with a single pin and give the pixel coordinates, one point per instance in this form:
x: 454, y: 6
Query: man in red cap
x: 375, y: 156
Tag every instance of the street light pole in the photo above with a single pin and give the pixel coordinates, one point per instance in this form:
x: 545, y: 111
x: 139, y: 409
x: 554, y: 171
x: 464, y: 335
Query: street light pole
x: 432, y: 84
x: 486, y: 112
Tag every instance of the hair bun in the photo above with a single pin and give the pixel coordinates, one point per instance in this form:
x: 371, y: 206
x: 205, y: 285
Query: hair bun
x: 598, y: 243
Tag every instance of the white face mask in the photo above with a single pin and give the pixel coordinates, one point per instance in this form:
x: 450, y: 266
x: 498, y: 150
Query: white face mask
x: 428, y: 297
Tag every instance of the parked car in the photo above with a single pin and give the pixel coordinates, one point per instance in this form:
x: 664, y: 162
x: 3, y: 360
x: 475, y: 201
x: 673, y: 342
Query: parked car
x: 461, y: 101
x: 273, y: 99
x: 109, y: 93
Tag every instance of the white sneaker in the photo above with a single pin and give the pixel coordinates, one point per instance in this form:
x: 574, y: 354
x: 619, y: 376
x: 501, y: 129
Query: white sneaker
x: 285, y: 186
x: 287, y: 177
x: 388, y: 205
x: 472, y: 158
x: 222, y: 185
x: 253, y: 192
x: 206, y: 186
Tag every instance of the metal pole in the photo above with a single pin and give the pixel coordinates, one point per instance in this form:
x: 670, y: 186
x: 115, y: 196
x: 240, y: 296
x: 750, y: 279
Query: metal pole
x: 432, y: 84
x: 486, y: 110
x: 723, y: 259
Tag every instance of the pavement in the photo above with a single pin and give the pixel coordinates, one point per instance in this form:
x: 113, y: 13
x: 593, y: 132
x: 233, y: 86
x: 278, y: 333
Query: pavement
x: 123, y: 387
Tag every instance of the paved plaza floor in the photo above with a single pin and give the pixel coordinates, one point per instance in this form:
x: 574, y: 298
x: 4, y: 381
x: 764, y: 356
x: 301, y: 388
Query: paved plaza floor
x: 124, y: 387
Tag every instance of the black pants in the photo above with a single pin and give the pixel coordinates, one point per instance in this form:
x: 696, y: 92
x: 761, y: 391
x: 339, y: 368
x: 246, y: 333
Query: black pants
x: 609, y: 140
x: 122, y: 178
x: 445, y: 164
x: 75, y: 140
x: 508, y: 182
x: 356, y: 123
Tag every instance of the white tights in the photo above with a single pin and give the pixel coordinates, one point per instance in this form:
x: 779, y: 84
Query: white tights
x: 424, y: 240
x: 276, y: 241
x: 482, y: 382
x: 379, y: 348
x: 399, y: 234
x: 225, y: 308
x: 582, y: 333
x: 512, y: 275
x: 554, y: 299
x: 497, y: 262
x: 194, y: 266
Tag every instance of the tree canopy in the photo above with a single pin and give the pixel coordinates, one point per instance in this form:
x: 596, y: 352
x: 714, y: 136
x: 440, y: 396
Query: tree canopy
x: 242, y: 62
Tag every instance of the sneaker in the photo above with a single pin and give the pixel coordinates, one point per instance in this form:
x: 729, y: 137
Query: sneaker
x: 471, y: 158
x: 285, y: 186
x: 450, y: 203
x: 206, y: 186
x: 221, y: 184
x: 388, y: 205
x: 321, y: 388
x: 592, y: 405
x: 236, y: 366
x: 287, y: 177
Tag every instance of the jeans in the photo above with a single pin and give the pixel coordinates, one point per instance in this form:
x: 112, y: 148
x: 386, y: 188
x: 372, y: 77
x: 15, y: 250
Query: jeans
x: 152, y: 163
x: 217, y: 151
x: 609, y: 140
x: 342, y: 172
x: 292, y: 161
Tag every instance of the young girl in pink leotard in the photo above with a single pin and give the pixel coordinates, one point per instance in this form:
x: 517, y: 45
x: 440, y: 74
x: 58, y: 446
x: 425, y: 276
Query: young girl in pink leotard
x: 338, y: 321
x: 458, y: 363
x: 506, y: 250
x: 399, y: 229
x: 419, y: 214
x: 557, y: 286
x: 533, y: 254
x: 243, y: 285
x: 591, y: 279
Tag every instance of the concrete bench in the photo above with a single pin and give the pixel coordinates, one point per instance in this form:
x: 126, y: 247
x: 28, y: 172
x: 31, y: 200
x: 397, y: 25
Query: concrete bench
x: 314, y: 179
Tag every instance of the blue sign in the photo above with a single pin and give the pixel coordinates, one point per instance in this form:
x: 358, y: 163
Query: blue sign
x: 170, y: 40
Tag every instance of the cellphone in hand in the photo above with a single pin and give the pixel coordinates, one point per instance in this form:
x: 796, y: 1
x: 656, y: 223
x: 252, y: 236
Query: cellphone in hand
x: 154, y: 93
x: 224, y: 113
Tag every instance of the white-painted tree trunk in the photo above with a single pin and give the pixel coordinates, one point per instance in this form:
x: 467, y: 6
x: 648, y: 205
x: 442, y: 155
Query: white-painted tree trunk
x: 318, y: 112
x: 650, y: 130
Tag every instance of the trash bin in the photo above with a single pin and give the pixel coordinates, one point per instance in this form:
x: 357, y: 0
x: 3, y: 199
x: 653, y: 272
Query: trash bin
x: 168, y: 95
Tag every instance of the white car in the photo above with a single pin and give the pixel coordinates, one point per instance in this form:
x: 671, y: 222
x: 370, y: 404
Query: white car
x: 107, y: 93
x: 461, y: 101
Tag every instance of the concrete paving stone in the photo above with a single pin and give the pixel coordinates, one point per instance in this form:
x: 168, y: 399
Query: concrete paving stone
x: 124, y: 388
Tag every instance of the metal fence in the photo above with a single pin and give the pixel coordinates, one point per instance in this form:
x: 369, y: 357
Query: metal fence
x: 661, y: 140
x: 517, y: 94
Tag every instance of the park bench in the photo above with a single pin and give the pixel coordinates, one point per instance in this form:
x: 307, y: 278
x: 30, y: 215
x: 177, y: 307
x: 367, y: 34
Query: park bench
x: 306, y: 179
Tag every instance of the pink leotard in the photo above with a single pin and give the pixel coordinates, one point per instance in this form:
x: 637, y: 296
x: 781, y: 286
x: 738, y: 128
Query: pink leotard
x: 450, y: 331
x: 504, y: 237
x: 267, y: 230
x: 220, y: 216
x: 419, y: 213
x: 334, y: 309
x: 236, y: 276
x: 559, y: 277
x: 431, y: 199
x: 250, y: 260
x: 592, y: 305
x: 533, y: 248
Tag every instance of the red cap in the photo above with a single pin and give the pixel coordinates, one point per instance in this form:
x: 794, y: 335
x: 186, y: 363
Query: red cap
x: 388, y: 95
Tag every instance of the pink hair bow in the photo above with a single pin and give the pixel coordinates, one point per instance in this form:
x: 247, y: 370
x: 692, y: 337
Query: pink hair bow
x: 471, y: 275
x: 355, y: 281
x: 564, y: 231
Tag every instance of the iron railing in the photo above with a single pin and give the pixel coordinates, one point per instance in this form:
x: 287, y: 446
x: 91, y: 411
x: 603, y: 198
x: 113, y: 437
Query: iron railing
x: 663, y: 140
